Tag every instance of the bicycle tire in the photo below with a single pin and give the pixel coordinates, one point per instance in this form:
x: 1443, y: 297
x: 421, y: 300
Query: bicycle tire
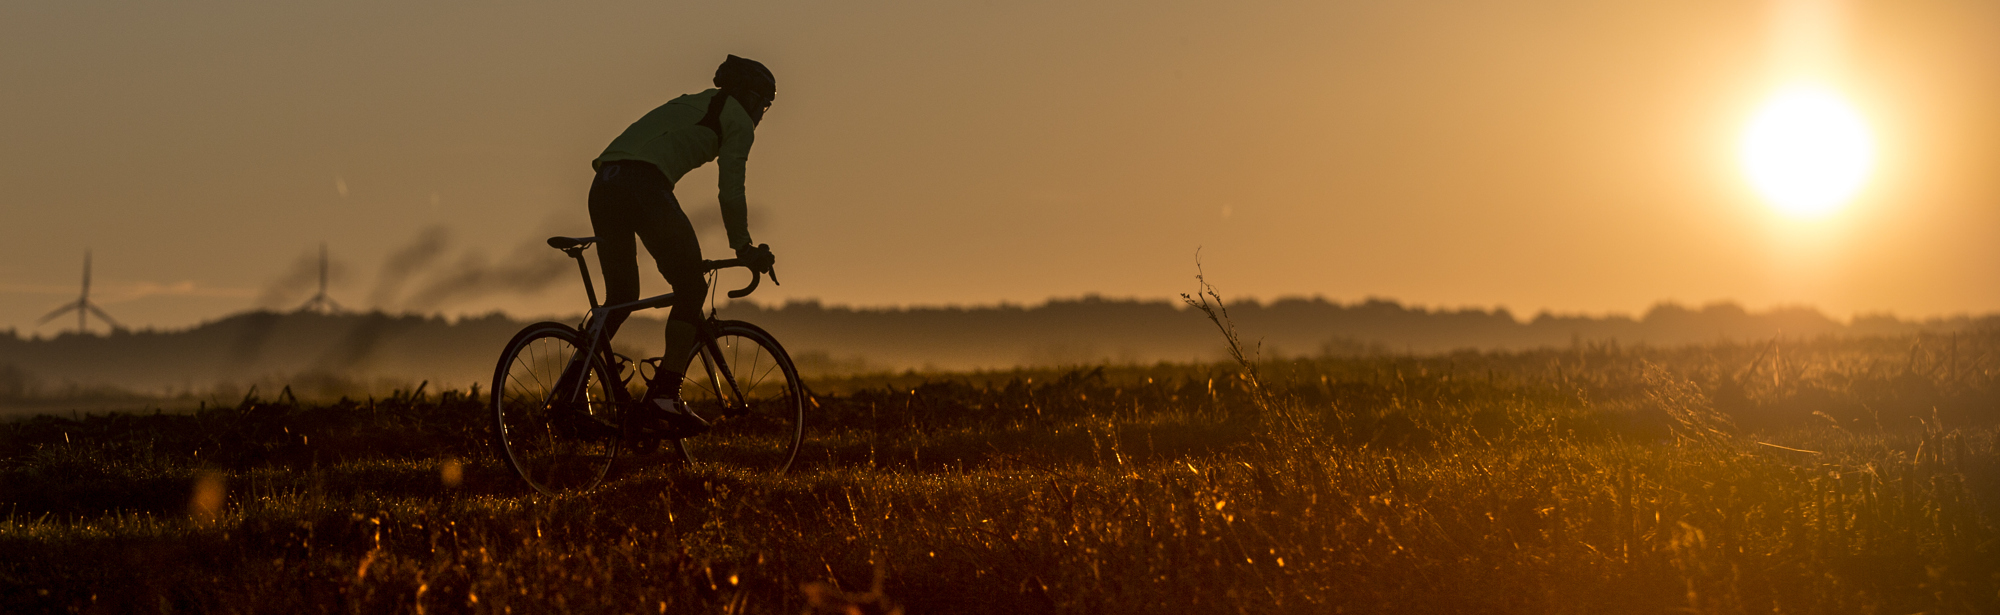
x: 556, y: 436
x: 759, y: 422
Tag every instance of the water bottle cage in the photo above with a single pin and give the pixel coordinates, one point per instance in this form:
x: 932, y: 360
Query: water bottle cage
x: 618, y: 363
x: 653, y: 363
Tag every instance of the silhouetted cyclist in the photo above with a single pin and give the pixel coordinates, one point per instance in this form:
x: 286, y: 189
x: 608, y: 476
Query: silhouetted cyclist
x: 633, y: 195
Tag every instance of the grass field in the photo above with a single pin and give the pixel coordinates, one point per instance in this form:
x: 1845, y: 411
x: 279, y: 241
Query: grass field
x: 1802, y: 477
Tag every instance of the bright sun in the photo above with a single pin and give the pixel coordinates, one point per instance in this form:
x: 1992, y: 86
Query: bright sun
x: 1808, y: 151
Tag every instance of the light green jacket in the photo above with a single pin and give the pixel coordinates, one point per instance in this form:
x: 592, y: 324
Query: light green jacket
x: 669, y: 138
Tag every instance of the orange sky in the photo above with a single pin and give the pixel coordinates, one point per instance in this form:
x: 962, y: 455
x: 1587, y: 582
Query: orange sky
x: 1575, y: 156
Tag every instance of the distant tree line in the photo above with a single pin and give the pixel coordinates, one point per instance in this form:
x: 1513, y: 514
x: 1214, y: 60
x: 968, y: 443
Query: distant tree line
x: 356, y: 353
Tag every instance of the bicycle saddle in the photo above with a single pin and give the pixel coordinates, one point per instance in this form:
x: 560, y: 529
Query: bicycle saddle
x: 571, y: 243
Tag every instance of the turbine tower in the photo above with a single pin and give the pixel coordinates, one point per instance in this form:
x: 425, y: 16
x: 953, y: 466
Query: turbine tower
x: 83, y: 307
x: 321, y: 302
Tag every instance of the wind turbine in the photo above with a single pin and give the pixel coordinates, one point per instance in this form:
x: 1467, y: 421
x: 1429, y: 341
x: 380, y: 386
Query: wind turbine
x: 83, y: 307
x: 321, y: 302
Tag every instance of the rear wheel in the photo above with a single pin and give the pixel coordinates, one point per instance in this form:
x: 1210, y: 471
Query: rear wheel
x: 555, y: 420
x: 747, y: 386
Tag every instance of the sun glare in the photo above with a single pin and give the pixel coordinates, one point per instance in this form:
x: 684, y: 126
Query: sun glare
x: 1808, y: 151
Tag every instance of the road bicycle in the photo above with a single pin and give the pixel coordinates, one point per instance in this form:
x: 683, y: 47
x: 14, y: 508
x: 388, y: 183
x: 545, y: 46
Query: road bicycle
x: 563, y: 400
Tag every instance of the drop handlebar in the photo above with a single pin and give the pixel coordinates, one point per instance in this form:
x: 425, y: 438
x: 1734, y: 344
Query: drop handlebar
x: 755, y: 276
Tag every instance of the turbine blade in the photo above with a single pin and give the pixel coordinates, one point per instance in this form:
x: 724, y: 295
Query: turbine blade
x: 100, y: 314
x: 59, y: 311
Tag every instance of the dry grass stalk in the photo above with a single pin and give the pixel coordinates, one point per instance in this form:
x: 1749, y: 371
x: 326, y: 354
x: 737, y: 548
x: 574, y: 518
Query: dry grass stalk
x: 1694, y: 419
x: 1283, y: 421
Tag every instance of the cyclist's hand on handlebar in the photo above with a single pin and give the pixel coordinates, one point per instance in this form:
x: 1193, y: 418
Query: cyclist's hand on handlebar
x: 759, y: 257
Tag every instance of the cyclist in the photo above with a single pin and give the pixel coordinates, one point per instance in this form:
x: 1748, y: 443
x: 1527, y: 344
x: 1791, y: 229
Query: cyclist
x: 633, y: 195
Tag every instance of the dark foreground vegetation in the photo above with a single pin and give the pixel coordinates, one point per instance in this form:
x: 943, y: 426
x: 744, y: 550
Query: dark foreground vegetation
x: 1832, y: 477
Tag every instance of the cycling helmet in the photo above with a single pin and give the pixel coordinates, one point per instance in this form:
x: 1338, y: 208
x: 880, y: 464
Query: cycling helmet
x: 740, y: 76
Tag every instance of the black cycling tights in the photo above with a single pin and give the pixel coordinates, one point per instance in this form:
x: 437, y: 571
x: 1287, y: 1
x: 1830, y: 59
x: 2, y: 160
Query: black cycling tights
x: 631, y: 198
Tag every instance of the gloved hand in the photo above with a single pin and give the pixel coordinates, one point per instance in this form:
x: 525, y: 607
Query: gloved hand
x: 759, y: 257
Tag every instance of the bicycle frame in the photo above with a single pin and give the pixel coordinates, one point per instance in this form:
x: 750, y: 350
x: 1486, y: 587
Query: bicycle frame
x: 597, y: 340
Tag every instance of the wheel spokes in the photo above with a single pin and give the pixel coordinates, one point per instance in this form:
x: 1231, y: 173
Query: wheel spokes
x: 552, y: 425
x: 747, y: 389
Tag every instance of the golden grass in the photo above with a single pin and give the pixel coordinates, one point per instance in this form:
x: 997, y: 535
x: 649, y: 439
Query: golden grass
x: 1828, y: 476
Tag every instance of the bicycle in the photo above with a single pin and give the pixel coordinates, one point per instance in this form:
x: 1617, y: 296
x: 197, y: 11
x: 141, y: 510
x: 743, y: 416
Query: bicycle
x: 561, y: 396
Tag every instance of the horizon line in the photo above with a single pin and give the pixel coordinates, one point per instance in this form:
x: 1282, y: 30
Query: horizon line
x: 1251, y: 301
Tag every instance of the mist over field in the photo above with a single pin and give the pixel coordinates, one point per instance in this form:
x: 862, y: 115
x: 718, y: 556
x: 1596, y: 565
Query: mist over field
x: 360, y: 354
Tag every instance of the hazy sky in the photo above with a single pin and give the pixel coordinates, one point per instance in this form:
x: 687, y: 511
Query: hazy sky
x: 1568, y: 155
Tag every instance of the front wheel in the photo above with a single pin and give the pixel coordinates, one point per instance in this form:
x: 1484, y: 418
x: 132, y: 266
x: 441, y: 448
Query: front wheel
x: 555, y: 417
x: 746, y: 385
